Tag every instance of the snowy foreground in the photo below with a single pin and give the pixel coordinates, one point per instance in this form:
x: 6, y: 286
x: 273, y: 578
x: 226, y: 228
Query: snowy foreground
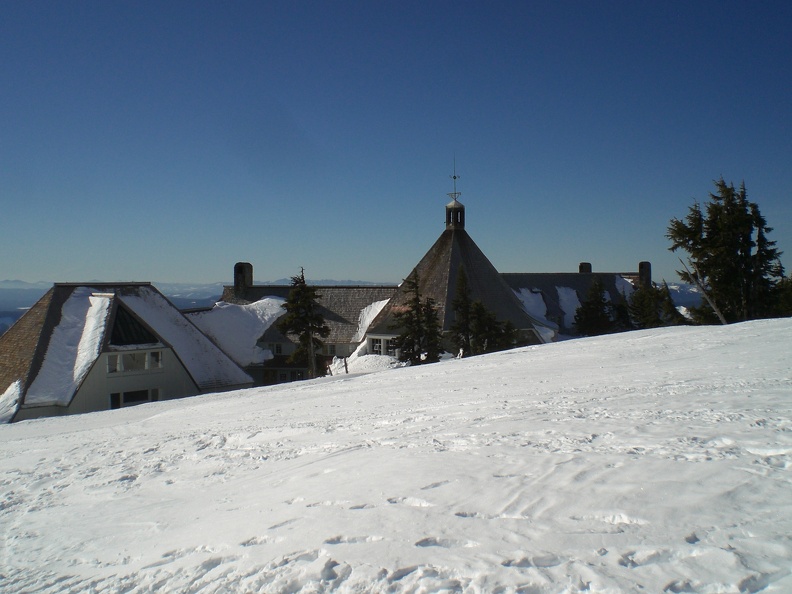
x: 655, y: 461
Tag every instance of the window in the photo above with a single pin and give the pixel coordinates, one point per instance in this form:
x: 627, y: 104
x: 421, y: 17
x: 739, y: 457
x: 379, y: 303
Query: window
x: 390, y: 346
x: 122, y: 399
x: 331, y: 349
x: 136, y: 361
x: 129, y: 330
x: 135, y: 397
x: 276, y: 348
x: 133, y: 361
x: 376, y: 346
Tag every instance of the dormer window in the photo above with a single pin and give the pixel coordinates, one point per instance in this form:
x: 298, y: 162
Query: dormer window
x: 134, y: 362
x: 128, y: 330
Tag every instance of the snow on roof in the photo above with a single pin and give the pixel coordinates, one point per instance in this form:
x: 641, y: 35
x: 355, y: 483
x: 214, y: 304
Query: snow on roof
x: 367, y: 315
x: 9, y: 401
x: 624, y: 286
x: 209, y: 366
x: 534, y: 304
x: 569, y: 302
x: 238, y: 328
x: 73, y: 347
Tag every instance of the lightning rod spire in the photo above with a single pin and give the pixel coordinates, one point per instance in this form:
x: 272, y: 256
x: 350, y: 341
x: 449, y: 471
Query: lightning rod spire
x: 454, y: 195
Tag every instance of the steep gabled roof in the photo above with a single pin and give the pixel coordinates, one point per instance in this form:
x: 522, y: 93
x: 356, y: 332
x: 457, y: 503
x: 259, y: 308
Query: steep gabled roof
x: 209, y: 366
x: 438, y: 272
x: 19, y: 346
x: 48, y: 352
x: 562, y: 292
x: 342, y: 306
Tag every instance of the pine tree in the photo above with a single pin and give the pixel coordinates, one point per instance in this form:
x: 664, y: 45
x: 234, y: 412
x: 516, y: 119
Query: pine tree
x: 594, y: 316
x: 482, y: 325
x: 460, y: 329
x: 488, y: 334
x: 783, y: 297
x: 620, y: 315
x: 729, y: 256
x: 476, y: 330
x: 645, y: 307
x: 420, y: 338
x: 653, y: 307
x: 668, y: 311
x: 304, y: 321
x: 432, y: 343
x: 408, y: 342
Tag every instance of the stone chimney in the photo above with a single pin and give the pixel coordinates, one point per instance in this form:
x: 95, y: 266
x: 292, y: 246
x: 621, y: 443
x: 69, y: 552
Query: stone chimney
x: 243, y: 278
x: 645, y: 274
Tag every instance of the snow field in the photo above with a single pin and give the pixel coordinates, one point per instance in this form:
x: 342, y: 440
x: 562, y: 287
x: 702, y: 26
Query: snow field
x: 654, y: 461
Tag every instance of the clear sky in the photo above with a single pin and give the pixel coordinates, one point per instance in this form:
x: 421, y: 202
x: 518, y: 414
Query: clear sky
x: 166, y: 141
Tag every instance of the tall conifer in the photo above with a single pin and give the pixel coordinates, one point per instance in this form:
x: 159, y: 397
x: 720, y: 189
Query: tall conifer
x: 304, y: 321
x: 728, y: 255
x: 461, y: 328
x: 420, y: 338
x: 594, y: 316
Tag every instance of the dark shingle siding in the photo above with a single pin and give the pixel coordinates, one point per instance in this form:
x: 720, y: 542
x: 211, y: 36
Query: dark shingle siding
x: 18, y: 345
x: 437, y: 273
x: 548, y: 282
x: 340, y: 305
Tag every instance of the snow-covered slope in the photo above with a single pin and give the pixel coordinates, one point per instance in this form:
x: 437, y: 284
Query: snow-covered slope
x: 655, y: 461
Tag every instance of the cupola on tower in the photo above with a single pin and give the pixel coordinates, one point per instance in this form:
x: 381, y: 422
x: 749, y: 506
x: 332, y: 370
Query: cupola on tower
x: 455, y: 210
x: 437, y: 274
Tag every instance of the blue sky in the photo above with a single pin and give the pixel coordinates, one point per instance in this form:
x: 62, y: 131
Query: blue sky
x: 166, y: 141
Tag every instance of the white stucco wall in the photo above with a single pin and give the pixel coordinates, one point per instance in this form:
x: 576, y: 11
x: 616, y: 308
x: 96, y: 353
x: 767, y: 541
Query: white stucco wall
x: 172, y: 380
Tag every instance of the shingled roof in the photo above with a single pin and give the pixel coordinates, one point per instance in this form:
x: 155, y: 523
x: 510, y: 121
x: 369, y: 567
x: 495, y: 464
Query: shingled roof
x: 562, y: 292
x: 438, y: 272
x: 48, y: 352
x: 341, y: 305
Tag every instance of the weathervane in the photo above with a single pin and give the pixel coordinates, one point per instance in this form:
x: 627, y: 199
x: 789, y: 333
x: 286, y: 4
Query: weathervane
x: 455, y: 177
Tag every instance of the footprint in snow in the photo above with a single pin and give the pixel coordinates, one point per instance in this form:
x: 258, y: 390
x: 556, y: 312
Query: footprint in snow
x: 256, y: 540
x: 435, y: 485
x: 352, y: 539
x: 401, y: 573
x: 411, y: 501
x: 445, y: 543
x: 633, y: 559
x: 539, y: 561
x: 282, y: 524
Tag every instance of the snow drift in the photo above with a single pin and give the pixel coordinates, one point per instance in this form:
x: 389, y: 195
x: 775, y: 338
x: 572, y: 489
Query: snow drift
x: 654, y: 461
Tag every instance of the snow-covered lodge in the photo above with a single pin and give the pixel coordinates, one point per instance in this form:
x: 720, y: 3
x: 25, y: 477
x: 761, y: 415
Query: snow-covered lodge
x: 540, y: 306
x: 90, y: 347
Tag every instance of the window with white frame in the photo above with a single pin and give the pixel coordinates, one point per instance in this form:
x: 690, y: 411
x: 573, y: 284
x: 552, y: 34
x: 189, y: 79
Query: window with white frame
x: 376, y: 346
x: 134, y: 362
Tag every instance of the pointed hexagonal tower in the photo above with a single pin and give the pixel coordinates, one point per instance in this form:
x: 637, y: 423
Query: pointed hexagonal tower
x: 438, y: 272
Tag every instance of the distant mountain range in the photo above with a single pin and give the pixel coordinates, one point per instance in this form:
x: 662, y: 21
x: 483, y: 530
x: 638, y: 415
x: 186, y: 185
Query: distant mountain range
x: 17, y: 296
